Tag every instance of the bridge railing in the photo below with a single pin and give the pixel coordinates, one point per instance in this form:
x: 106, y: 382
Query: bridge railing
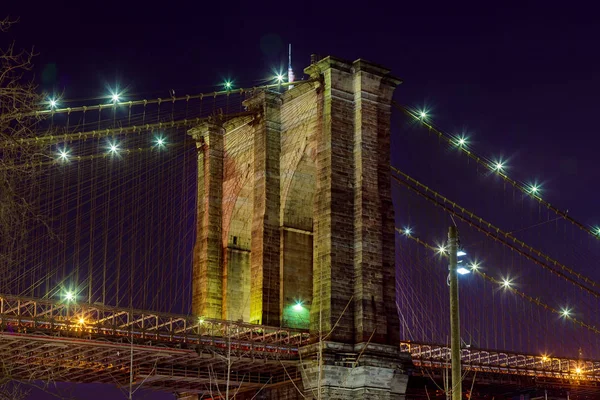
x: 94, y: 321
x: 494, y: 361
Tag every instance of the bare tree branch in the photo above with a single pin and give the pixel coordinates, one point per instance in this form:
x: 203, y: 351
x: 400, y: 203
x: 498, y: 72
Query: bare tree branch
x: 19, y: 162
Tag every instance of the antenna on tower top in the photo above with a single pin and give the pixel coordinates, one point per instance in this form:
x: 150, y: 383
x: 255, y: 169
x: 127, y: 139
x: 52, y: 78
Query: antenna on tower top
x: 290, y: 70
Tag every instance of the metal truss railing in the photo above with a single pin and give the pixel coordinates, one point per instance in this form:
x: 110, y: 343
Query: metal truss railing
x: 31, y: 315
x: 45, y: 340
x: 494, y: 361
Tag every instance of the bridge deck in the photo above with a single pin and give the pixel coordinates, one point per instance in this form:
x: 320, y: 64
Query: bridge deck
x: 503, y: 362
x: 50, y: 340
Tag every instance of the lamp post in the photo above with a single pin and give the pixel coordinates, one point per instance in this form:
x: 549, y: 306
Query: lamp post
x: 454, y: 315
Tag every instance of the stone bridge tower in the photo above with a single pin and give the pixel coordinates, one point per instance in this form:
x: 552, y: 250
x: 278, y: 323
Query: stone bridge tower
x: 296, y: 224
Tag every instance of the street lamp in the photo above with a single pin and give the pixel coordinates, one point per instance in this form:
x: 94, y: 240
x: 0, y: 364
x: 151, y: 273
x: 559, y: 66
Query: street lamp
x: 461, y: 268
x: 454, y: 314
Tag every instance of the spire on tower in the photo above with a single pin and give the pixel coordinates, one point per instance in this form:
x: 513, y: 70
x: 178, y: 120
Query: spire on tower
x: 290, y: 70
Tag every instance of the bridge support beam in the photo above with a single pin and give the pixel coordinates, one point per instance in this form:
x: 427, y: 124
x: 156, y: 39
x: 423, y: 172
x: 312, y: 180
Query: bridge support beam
x: 354, y: 263
x: 354, y: 269
x: 265, y: 245
x: 207, y: 295
x: 354, y: 372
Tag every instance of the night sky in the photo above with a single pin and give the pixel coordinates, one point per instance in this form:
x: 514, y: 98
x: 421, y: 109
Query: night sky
x: 522, y: 81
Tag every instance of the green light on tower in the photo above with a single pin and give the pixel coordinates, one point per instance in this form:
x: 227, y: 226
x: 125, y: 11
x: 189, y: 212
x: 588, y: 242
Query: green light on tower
x: 298, y: 307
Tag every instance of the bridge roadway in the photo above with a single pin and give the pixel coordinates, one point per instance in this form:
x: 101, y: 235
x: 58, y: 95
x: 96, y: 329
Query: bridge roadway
x: 67, y: 341
x: 43, y: 339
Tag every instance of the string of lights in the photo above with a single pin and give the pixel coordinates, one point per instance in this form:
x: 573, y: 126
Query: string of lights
x: 496, y: 166
x: 493, y: 232
x: 53, y: 103
x: 504, y: 284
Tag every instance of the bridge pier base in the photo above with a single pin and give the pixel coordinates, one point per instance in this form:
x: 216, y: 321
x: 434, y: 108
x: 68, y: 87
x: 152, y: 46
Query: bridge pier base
x: 353, y: 372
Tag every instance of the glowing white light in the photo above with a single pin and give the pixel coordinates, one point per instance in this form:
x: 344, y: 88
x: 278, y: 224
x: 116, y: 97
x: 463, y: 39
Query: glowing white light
x: 597, y: 231
x: 298, y: 307
x: 499, y: 166
x: 578, y: 370
x: 407, y: 231
x: 506, y: 283
x: 565, y: 312
x: 200, y: 320
x: 81, y: 320
x: 69, y: 296
x: 463, y: 271
x: 461, y: 253
x: 280, y: 78
x: 534, y: 189
x: 228, y: 84
x: 474, y: 266
x: 544, y: 357
x: 462, y: 141
x: 422, y: 114
x: 441, y: 249
x: 115, y: 97
x: 160, y: 141
x: 53, y: 103
x: 63, y: 155
x: 113, y: 148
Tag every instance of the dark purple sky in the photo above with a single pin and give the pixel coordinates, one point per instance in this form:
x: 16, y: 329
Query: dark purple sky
x: 523, y: 80
x: 524, y: 76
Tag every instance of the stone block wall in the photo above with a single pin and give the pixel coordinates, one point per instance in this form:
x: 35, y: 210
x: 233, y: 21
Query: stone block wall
x: 296, y: 226
x: 354, y: 276
x: 295, y: 220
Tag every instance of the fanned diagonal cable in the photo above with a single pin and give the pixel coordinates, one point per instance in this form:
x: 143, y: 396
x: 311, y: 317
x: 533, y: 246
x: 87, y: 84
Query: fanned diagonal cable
x: 489, y: 164
x: 494, y: 232
x: 489, y: 278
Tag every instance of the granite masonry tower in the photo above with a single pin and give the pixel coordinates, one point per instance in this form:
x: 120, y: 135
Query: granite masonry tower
x: 296, y: 225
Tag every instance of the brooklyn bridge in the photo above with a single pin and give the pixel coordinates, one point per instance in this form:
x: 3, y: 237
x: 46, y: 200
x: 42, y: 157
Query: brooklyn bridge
x: 269, y: 242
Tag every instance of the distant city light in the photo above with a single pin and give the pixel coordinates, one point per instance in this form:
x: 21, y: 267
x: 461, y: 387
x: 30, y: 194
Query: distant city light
x: 441, y: 249
x: 565, y: 312
x: 280, y: 78
x: 423, y: 114
x: 53, y: 103
x: 200, y: 320
x: 228, y: 85
x: 462, y: 141
x: 499, y: 166
x: 115, y: 97
x: 578, y: 370
x: 463, y: 271
x: 407, y: 231
x: 81, y: 320
x: 544, y: 357
x: 506, y: 283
